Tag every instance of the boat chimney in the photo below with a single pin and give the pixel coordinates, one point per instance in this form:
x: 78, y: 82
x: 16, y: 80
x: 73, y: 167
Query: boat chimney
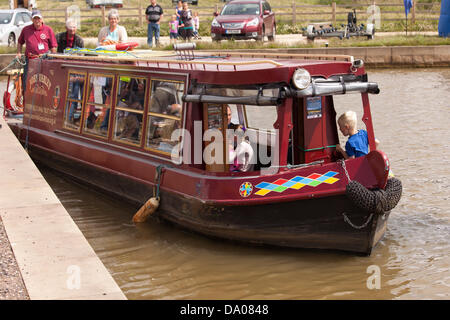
x: 185, y: 50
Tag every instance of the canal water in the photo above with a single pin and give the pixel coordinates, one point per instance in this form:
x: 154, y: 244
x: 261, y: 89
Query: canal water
x: 158, y: 261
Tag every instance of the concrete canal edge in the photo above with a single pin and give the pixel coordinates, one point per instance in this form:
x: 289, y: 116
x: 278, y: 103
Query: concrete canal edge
x: 384, y: 57
x: 391, y: 57
x: 55, y: 259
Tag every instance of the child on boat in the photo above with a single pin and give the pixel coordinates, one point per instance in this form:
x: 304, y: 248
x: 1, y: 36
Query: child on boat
x: 358, y: 143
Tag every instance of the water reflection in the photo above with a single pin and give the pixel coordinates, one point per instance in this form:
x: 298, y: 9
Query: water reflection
x: 158, y: 261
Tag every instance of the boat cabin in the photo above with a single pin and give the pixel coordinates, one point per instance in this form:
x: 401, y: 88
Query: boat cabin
x: 175, y: 107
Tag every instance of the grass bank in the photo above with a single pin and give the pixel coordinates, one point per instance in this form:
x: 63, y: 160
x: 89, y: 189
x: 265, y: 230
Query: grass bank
x: 417, y: 40
x: 307, y: 11
x: 333, y: 43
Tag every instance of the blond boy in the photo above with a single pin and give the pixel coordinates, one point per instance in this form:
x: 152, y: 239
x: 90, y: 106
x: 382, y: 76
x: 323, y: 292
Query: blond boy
x: 358, y: 143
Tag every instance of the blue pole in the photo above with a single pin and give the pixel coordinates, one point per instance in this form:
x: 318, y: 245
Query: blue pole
x: 444, y: 19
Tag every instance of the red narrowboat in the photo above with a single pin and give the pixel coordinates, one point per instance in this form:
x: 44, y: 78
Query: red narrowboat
x: 239, y: 146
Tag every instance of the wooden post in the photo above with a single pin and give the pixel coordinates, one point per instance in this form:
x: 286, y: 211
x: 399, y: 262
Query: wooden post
x: 294, y: 14
x: 140, y: 14
x: 333, y: 13
x: 103, y: 16
x: 413, y: 12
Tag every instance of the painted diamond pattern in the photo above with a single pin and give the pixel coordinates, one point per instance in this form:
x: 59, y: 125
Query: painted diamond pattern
x: 297, y: 182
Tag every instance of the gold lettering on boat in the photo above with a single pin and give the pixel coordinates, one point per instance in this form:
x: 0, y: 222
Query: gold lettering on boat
x: 41, y: 114
x: 39, y: 84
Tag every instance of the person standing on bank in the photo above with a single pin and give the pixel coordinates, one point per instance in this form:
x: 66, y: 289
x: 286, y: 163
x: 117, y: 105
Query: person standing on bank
x: 38, y: 39
x: 69, y: 38
x: 154, y: 14
x: 187, y: 23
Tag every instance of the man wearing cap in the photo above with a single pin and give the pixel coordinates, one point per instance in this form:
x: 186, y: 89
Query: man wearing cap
x: 38, y: 38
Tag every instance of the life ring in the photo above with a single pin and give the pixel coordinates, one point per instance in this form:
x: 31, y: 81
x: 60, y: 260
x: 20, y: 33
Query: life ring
x: 17, y: 107
x: 377, y: 201
x: 126, y: 45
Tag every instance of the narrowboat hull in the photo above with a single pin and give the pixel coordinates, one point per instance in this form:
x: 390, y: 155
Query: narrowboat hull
x: 316, y: 223
x: 99, y: 120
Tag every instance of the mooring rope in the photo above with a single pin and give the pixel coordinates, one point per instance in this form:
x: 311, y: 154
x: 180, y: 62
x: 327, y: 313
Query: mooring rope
x: 14, y: 62
x: 346, y: 218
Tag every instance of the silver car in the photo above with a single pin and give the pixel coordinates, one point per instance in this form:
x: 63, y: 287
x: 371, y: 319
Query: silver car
x: 11, y: 24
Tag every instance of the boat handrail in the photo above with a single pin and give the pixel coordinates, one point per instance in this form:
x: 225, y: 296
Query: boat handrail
x: 316, y: 89
x: 305, y: 56
x: 164, y: 61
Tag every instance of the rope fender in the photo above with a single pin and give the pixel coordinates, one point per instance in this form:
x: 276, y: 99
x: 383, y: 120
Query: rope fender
x: 376, y: 201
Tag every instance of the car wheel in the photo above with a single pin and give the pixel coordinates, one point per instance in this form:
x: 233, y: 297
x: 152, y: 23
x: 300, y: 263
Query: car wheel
x: 11, y: 40
x: 272, y: 36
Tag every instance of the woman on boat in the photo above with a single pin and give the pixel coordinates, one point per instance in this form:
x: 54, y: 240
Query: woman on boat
x: 113, y: 33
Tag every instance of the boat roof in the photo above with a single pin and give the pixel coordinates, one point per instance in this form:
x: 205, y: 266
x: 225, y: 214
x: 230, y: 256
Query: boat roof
x: 220, y: 62
x: 235, y: 58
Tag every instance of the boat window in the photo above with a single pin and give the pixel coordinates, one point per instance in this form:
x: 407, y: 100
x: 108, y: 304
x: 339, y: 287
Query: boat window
x: 164, y: 115
x: 129, y: 109
x: 260, y: 118
x: 250, y: 116
x: 74, y: 98
x: 98, y: 106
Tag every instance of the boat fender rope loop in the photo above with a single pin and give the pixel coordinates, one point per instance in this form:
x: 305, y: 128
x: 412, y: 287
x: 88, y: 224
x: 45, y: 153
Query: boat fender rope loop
x: 375, y: 201
x: 157, y: 181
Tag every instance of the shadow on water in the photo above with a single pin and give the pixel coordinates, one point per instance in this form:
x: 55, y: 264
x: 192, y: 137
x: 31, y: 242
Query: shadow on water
x: 158, y: 261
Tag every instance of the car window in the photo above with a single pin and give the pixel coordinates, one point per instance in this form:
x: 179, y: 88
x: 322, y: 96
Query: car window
x: 26, y: 17
x: 17, y: 19
x: 241, y: 8
x: 5, y: 17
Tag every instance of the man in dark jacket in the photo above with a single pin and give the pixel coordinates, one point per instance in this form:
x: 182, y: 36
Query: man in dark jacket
x: 69, y: 39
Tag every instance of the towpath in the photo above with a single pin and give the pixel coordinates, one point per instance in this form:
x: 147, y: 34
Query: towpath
x: 43, y: 253
x: 288, y: 39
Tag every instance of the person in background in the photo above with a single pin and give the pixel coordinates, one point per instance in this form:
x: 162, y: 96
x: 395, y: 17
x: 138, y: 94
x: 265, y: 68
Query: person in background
x: 178, y: 10
x: 114, y: 33
x: 196, y: 21
x: 187, y: 26
x: 38, y: 39
x: 69, y: 38
x: 154, y: 14
x: 173, y: 29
